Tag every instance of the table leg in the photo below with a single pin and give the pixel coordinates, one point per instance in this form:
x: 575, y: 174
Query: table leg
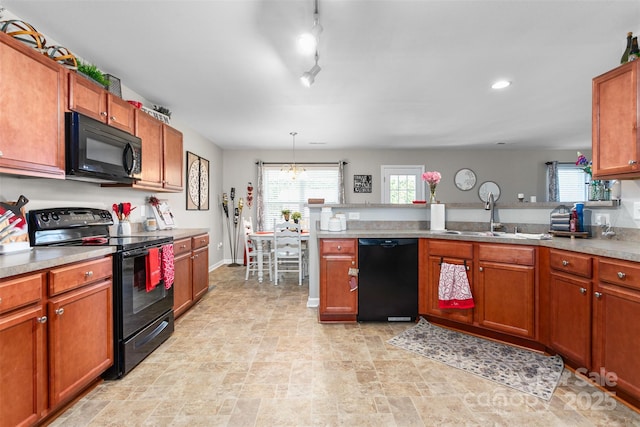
x: 260, y: 246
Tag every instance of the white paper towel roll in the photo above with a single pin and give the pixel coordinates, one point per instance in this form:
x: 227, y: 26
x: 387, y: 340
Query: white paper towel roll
x: 437, y: 216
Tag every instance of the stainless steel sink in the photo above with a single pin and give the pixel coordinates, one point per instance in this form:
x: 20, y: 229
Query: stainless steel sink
x: 496, y: 234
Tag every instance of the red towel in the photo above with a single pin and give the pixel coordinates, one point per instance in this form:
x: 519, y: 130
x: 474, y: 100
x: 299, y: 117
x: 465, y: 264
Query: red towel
x: 153, y: 269
x: 453, y: 289
x: 168, y: 273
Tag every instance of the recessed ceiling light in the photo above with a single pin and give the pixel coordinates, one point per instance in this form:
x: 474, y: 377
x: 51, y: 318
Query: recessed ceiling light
x: 501, y: 84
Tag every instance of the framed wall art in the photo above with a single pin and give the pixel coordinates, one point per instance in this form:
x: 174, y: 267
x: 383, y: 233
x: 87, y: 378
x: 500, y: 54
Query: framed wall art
x: 197, y: 182
x: 362, y: 183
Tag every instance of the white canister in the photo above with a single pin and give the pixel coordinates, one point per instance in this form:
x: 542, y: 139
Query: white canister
x: 343, y: 221
x: 334, y: 224
x: 325, y: 215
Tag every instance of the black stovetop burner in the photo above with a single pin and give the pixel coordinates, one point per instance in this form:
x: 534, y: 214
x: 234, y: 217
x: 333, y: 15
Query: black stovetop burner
x: 82, y: 227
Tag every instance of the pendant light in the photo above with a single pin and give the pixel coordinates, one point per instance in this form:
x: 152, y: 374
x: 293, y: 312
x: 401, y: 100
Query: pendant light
x: 292, y: 170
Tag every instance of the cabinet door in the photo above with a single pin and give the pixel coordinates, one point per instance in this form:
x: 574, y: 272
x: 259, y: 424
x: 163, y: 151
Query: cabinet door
x: 31, y: 120
x: 570, y: 322
x: 121, y: 114
x: 87, y: 97
x: 149, y: 130
x: 337, y: 301
x: 22, y: 367
x: 80, y: 339
x: 615, y: 113
x: 616, y: 332
x: 433, y: 274
x: 506, y: 300
x: 200, y: 272
x: 182, y: 288
x: 172, y: 158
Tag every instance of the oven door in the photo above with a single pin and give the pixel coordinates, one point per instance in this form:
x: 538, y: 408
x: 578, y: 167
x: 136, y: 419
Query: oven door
x: 137, y: 306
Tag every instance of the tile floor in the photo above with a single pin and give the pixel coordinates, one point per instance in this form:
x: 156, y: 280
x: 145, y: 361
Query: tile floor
x: 253, y: 354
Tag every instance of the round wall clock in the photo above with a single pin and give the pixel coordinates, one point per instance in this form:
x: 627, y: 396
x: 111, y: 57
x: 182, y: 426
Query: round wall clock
x: 486, y: 188
x: 465, y: 179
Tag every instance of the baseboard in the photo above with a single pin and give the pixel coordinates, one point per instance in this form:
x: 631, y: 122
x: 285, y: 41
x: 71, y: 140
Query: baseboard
x: 313, y: 302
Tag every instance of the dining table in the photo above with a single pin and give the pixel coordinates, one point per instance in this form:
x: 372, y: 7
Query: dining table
x: 264, y: 238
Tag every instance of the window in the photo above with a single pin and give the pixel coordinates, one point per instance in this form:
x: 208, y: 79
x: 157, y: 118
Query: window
x: 402, y: 184
x: 572, y: 183
x: 282, y: 192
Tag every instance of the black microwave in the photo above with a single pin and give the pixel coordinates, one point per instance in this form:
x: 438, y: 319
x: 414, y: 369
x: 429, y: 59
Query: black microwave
x: 97, y: 152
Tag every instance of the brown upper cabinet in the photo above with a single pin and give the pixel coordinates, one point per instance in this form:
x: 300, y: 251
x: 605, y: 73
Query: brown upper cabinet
x: 161, y: 154
x: 92, y: 100
x: 616, y: 146
x: 31, y: 120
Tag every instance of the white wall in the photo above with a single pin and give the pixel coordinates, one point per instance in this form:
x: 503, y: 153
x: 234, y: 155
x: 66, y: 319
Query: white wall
x: 43, y: 193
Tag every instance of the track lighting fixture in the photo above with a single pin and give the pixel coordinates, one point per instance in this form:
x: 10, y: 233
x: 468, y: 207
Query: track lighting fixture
x: 309, y: 77
x: 308, y: 42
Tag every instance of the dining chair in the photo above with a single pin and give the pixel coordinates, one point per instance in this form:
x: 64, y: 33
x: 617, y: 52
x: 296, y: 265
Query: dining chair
x: 251, y: 252
x: 288, y: 251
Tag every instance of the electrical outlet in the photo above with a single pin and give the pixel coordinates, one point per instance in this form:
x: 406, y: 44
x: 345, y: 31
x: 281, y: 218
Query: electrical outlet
x: 143, y: 211
x: 354, y: 215
x: 603, y: 219
x: 636, y: 210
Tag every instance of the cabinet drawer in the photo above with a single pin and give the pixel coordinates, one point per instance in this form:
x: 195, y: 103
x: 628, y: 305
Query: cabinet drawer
x: 337, y: 246
x: 79, y: 274
x: 570, y: 262
x: 200, y: 241
x: 21, y: 291
x: 621, y: 273
x: 451, y: 249
x: 182, y: 246
x: 510, y: 254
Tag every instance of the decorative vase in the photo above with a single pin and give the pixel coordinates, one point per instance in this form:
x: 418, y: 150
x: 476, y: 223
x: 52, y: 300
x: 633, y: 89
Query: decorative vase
x: 286, y: 217
x: 596, y: 190
x: 432, y: 197
x: 124, y: 228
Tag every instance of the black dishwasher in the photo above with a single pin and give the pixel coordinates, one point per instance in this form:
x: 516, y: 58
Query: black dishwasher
x: 388, y: 280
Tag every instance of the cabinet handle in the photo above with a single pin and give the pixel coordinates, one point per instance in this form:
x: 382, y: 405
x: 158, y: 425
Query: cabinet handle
x: 621, y: 275
x: 339, y: 247
x: 598, y: 294
x: 481, y: 269
x: 565, y: 262
x: 0, y: 300
x: 59, y: 311
x: 42, y: 319
x: 202, y: 241
x: 583, y: 291
x: 112, y: 118
x: 103, y: 114
x: 88, y: 274
x: 633, y: 162
x: 353, y: 263
x: 1, y: 154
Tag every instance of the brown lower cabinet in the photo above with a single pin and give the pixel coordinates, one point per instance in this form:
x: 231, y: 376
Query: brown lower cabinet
x: 505, y: 289
x: 191, y: 265
x: 616, y: 325
x: 432, y: 253
x: 56, y: 338
x: 338, y: 303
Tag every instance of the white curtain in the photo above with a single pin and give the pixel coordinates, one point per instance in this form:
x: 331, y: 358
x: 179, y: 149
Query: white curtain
x: 553, y: 187
x: 260, y: 198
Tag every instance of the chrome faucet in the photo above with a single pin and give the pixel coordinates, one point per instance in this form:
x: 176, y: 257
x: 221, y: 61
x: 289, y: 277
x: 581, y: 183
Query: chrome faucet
x: 490, y: 205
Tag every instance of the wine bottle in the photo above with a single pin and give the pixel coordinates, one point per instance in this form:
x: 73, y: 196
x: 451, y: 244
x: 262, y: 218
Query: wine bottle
x: 634, y: 53
x: 625, y: 55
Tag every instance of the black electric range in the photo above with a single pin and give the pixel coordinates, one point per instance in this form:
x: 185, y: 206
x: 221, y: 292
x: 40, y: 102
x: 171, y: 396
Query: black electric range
x: 142, y: 314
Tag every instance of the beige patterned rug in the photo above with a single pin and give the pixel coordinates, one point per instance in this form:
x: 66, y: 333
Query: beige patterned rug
x: 526, y: 371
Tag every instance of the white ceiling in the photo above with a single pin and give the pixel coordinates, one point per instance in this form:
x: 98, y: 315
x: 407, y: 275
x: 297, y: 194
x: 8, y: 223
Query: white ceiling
x: 395, y: 73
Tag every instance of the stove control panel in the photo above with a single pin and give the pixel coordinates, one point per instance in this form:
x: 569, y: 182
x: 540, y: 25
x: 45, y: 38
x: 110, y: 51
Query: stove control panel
x: 61, y: 218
